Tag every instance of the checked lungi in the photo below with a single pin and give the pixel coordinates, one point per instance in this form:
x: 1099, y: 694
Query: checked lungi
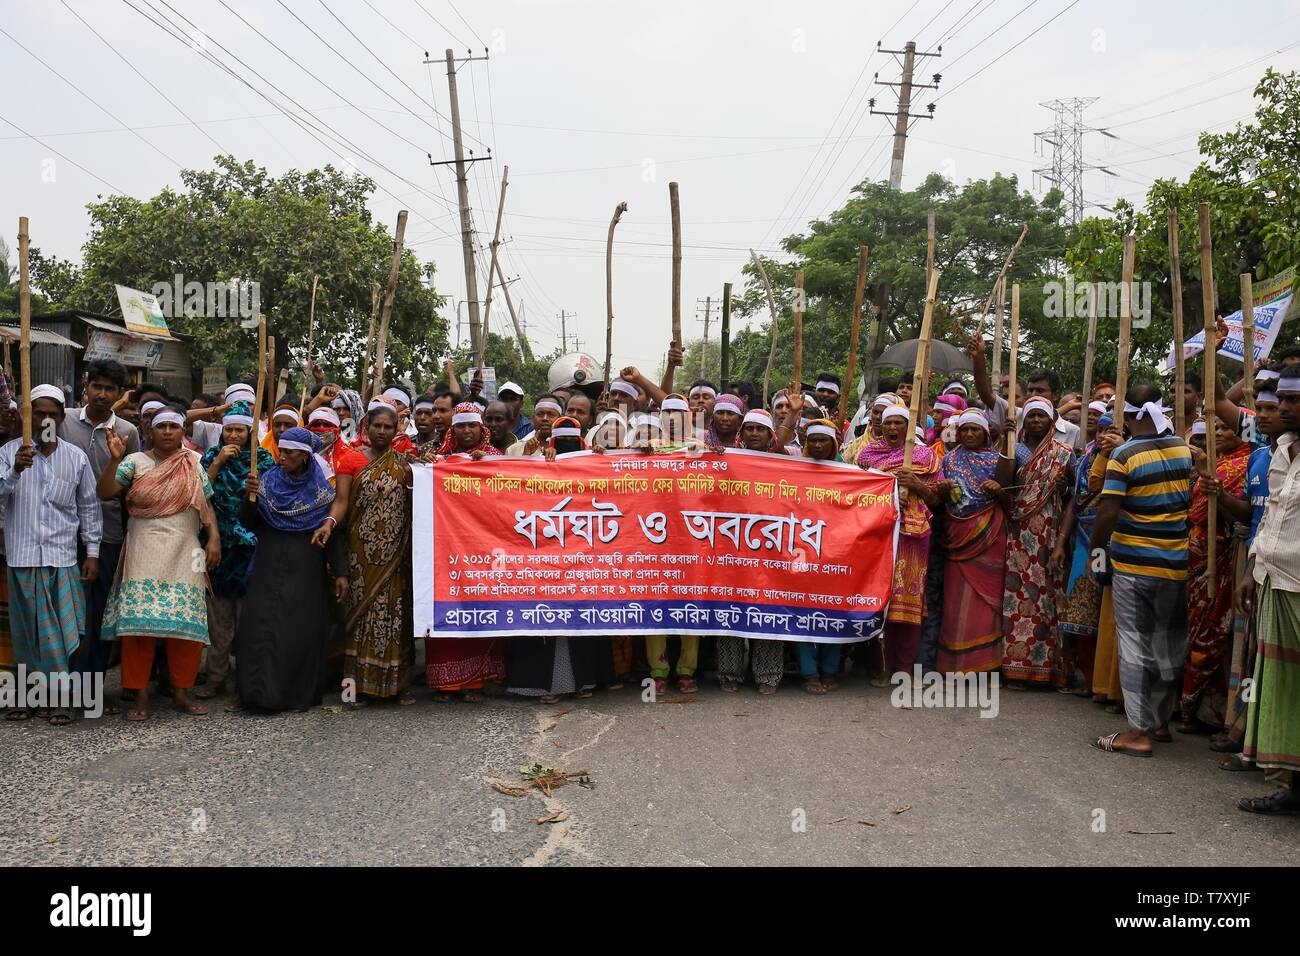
x: 1151, y: 626
x: 47, y: 616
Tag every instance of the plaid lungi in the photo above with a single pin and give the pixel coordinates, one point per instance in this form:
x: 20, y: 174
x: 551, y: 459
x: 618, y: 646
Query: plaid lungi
x: 1273, y: 722
x: 6, y: 640
x: 1151, y: 627
x: 47, y: 616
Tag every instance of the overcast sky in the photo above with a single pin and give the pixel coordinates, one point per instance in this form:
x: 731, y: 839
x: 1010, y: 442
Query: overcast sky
x: 755, y: 108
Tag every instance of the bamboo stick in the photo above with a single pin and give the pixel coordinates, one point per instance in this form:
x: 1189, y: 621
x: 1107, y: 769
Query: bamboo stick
x: 381, y: 342
x: 676, y: 209
x: 609, y: 292
x: 796, y: 383
x: 1089, y: 354
x: 261, y: 391
x: 1002, y: 276
x: 1011, y: 371
x: 1209, y: 380
x: 919, y: 373
x: 311, y: 334
x: 851, y: 371
x: 1176, y: 292
x: 999, y: 329
x: 492, y: 267
x: 771, y: 305
x: 364, y: 384
x: 1248, y: 337
x: 1125, y: 331
x: 24, y: 332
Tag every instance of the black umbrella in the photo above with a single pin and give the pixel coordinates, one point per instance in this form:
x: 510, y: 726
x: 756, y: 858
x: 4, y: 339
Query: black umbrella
x: 944, y: 358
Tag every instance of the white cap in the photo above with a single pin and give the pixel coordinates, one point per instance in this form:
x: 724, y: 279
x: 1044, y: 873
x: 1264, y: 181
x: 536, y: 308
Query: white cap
x: 510, y: 387
x: 48, y: 391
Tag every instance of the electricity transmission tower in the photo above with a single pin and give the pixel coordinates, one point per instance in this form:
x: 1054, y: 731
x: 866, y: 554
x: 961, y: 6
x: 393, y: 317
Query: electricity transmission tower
x: 1066, y: 141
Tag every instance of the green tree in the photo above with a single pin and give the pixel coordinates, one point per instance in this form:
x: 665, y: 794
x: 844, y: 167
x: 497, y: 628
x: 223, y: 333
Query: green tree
x: 502, y: 354
x: 237, y: 223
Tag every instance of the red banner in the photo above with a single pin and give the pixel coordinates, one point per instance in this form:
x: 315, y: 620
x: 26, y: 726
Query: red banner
x: 743, y: 543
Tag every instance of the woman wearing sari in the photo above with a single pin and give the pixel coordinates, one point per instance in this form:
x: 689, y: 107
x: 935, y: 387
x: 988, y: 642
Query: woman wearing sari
x: 286, y: 617
x: 1105, y: 664
x: 1078, y: 623
x: 970, y: 636
x: 379, y: 648
x: 463, y: 664
x: 159, y: 593
x: 1034, y: 591
x: 1209, y: 616
x: 902, y: 634
x: 227, y: 467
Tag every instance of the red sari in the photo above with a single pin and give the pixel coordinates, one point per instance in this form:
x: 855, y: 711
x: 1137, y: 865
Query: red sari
x: 1033, y: 594
x: 1209, y: 633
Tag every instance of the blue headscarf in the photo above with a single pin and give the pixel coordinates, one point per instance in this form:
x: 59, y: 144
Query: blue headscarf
x: 296, y: 502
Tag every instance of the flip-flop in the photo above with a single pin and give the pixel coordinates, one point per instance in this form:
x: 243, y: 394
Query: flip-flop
x: 1237, y: 764
x: 767, y: 689
x: 727, y: 685
x: 814, y: 686
x: 687, y: 685
x: 60, y: 718
x: 1283, y: 803
x: 136, y: 713
x: 1106, y: 744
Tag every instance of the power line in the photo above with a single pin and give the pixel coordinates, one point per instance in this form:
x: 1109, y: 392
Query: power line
x: 63, y: 156
x: 467, y: 23
x: 441, y: 25
x: 1035, y: 32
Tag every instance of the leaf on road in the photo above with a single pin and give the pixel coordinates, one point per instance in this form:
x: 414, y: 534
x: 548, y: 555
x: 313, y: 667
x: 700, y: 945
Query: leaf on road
x: 901, y: 810
x: 868, y: 823
x: 556, y: 816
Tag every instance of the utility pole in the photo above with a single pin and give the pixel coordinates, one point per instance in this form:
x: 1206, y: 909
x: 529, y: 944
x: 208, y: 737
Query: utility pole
x: 704, y: 349
x: 902, y: 118
x: 1066, y: 140
x: 726, y: 335
x: 462, y: 189
x: 564, y: 332
x: 504, y: 286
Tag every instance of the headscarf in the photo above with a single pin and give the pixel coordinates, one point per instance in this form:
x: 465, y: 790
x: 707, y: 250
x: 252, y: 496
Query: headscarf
x: 352, y: 399
x: 449, y: 446
x: 731, y: 403
x: 968, y: 470
x: 268, y: 440
x: 331, y: 447
x: 955, y: 406
x: 826, y: 428
x: 883, y: 456
x: 296, y: 502
x: 565, y: 425
x: 228, y: 496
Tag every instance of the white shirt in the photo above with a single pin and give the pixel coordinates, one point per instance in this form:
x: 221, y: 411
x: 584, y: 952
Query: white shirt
x: 1274, y: 550
x: 46, y: 505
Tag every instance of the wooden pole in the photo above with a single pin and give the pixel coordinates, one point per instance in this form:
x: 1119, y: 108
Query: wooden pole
x: 24, y: 332
x: 919, y: 372
x: 1210, y: 378
x: 851, y: 370
x: 1089, y: 354
x: 724, y: 370
x: 364, y: 384
x: 998, y: 329
x: 609, y: 292
x: 492, y: 267
x: 929, y: 246
x: 381, y: 342
x: 1002, y: 276
x: 771, y: 305
x: 676, y: 209
x: 1248, y: 337
x: 796, y: 383
x: 311, y: 333
x: 1125, y: 330
x: 1011, y: 371
x: 261, y: 391
x: 1176, y: 292
x: 273, y: 393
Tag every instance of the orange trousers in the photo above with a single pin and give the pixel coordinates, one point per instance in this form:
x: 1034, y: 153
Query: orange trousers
x: 183, y: 659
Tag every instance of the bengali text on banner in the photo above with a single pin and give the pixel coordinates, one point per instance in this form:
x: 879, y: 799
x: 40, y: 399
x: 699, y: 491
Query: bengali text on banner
x: 739, y: 543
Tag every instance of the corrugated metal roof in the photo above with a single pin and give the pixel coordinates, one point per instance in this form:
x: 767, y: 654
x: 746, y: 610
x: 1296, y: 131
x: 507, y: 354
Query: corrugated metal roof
x: 123, y: 330
x: 38, y: 336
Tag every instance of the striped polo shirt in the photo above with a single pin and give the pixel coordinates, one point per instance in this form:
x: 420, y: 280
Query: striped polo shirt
x: 1154, y: 477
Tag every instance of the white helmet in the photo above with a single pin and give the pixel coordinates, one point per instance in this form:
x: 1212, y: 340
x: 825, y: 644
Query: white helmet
x: 575, y: 368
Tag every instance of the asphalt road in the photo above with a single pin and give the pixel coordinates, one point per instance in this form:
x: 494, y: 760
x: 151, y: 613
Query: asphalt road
x: 721, y: 779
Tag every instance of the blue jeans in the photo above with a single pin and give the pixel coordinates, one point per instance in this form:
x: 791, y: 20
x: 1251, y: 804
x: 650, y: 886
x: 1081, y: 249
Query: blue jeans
x: 818, y: 660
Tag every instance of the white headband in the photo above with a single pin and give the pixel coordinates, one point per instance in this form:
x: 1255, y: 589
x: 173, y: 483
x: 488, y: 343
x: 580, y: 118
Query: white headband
x: 323, y: 415
x: 1198, y: 428
x: 757, y: 415
x: 1098, y: 407
x: 608, y: 414
x: 884, y: 400
x: 547, y: 403
x: 1152, y: 409
x: 674, y: 405
x: 246, y: 420
x: 377, y: 403
x: 566, y: 432
x: 287, y: 413
x: 1267, y: 395
x: 1290, y: 382
x: 973, y: 417
x: 338, y: 403
x: 809, y: 401
x: 239, y: 388
x: 828, y: 386
x: 708, y: 390
x: 424, y: 401
x: 955, y: 387
x: 397, y: 395
x: 819, y: 430
x: 1039, y: 403
x: 294, y: 446
x: 1267, y: 375
x: 153, y: 406
x: 175, y: 418
x: 467, y: 418
x: 624, y: 388
x: 896, y: 411
x: 944, y: 407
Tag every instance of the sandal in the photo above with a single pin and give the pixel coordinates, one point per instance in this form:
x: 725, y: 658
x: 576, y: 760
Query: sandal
x: 1192, y: 726
x: 813, y: 686
x: 60, y: 718
x: 617, y: 685
x: 1222, y: 744
x: 1237, y: 763
x: 549, y: 699
x: 687, y: 685
x: 469, y: 697
x: 830, y: 683
x: 728, y: 685
x: 138, y: 713
x: 406, y: 699
x: 661, y: 685
x: 1282, y: 803
x: 583, y: 694
x: 767, y: 689
x: 23, y: 714
x: 209, y: 691
x: 191, y: 709
x: 1106, y: 744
